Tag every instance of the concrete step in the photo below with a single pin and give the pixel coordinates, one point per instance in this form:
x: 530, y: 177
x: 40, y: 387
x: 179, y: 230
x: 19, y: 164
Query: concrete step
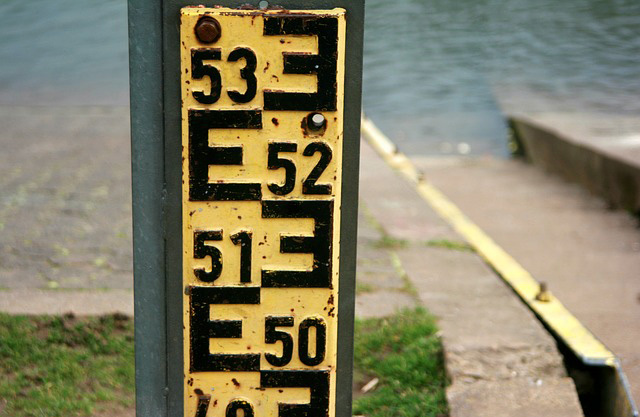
x: 500, y: 359
x: 588, y: 254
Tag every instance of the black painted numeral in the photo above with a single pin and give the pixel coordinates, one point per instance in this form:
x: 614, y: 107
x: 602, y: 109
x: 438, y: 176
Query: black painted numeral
x: 275, y: 162
x: 201, y: 251
x: 309, y: 185
x: 243, y: 238
x: 271, y: 335
x: 236, y: 405
x: 247, y: 73
x: 320, y: 342
x: 203, y: 403
x: 199, y: 70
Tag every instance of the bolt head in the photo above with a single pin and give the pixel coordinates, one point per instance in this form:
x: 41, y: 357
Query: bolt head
x: 315, y: 122
x: 208, y: 30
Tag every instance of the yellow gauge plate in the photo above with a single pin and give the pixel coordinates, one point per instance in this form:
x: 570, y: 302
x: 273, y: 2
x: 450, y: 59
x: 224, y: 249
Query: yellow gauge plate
x: 262, y: 133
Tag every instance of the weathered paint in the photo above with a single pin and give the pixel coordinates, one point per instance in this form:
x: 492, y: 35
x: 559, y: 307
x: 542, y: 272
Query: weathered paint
x: 261, y: 202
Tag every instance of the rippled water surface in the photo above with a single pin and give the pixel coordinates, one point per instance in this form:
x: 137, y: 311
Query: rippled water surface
x: 441, y: 69
x: 438, y: 73
x: 63, y: 52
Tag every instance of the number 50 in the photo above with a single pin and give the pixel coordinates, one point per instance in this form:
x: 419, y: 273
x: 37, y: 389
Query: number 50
x: 271, y: 335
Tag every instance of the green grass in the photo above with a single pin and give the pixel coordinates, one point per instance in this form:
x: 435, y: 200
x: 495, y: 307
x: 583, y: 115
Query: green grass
x: 405, y: 353
x: 385, y: 241
x: 389, y: 242
x: 364, y: 287
x: 449, y: 244
x: 68, y: 366
x: 407, y: 285
x: 54, y: 366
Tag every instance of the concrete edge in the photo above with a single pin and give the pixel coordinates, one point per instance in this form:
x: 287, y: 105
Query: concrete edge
x: 561, y: 323
x: 57, y: 302
x: 608, y: 174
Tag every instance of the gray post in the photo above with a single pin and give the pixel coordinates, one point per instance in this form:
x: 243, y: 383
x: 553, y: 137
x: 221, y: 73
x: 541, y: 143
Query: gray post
x: 147, y: 154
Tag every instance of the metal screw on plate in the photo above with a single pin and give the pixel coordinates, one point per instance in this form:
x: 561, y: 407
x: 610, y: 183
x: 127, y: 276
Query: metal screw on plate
x: 543, y: 294
x: 208, y: 30
x: 316, y: 122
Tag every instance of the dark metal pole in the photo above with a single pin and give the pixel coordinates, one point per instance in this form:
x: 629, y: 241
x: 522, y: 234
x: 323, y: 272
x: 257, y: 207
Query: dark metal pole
x: 145, y: 55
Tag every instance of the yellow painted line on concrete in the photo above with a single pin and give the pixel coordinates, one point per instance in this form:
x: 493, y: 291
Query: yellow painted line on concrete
x: 564, y: 324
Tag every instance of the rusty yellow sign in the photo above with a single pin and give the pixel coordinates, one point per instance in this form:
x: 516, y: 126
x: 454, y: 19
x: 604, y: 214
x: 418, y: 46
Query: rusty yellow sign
x: 262, y: 132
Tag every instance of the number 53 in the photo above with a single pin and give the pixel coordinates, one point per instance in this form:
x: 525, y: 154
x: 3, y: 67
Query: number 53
x: 199, y: 70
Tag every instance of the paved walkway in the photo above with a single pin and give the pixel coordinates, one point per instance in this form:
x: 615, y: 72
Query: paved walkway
x: 65, y: 210
x: 588, y: 255
x: 65, y: 245
x: 500, y: 359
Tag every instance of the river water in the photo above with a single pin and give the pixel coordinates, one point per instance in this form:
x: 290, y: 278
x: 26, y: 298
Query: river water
x: 439, y: 74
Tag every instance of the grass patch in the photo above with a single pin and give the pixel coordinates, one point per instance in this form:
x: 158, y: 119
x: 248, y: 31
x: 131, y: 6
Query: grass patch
x: 405, y: 353
x: 449, y: 244
x: 364, y: 287
x: 385, y: 241
x: 388, y: 242
x: 407, y: 285
x: 63, y: 365
x: 53, y: 366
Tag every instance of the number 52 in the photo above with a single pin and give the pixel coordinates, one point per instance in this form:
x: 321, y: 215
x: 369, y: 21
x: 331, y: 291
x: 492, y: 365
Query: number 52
x: 309, y: 186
